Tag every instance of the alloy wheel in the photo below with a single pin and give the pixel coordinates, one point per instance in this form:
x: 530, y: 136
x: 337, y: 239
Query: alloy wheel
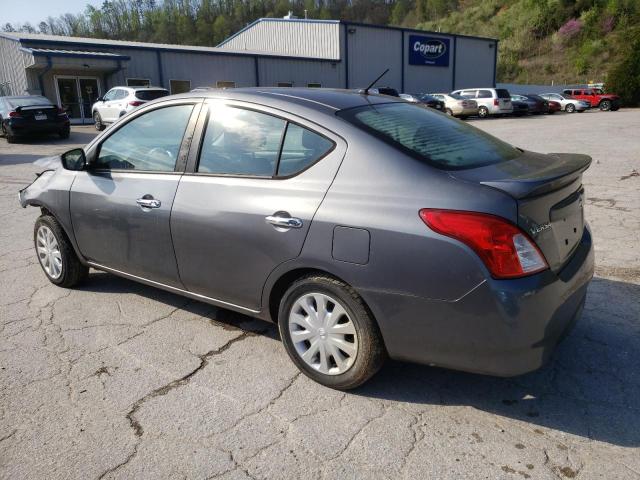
x: 49, y: 252
x: 323, y: 333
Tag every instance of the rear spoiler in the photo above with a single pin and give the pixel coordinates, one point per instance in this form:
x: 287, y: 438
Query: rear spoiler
x: 34, y: 107
x: 553, y: 176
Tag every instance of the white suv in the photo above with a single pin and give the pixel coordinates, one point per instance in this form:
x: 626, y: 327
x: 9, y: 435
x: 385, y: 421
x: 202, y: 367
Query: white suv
x: 491, y: 101
x: 120, y: 100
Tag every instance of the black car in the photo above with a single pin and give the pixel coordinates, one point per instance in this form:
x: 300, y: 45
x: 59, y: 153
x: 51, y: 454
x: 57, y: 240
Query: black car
x: 23, y: 116
x: 520, y: 107
x: 427, y: 100
x: 536, y: 103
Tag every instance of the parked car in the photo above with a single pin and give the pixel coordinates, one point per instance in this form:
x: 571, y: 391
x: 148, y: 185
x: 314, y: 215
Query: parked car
x: 596, y: 97
x: 537, y: 105
x: 491, y: 101
x: 424, y: 99
x: 520, y: 107
x: 568, y: 103
x: 554, y: 107
x: 29, y: 115
x: 457, y: 105
x: 392, y: 92
x: 121, y: 100
x: 364, y: 225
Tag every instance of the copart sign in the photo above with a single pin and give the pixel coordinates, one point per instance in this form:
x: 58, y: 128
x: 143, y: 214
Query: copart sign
x: 428, y: 51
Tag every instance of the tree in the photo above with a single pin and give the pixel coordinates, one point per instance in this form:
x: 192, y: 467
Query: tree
x: 624, y: 76
x: 8, y: 28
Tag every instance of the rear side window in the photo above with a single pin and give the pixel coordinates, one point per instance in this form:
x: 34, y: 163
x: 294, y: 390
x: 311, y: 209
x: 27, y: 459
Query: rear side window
x: 430, y: 137
x: 485, y: 94
x: 301, y: 148
x: 120, y: 94
x: 241, y: 142
x: 502, y: 93
x: 150, y: 142
x: 151, y: 94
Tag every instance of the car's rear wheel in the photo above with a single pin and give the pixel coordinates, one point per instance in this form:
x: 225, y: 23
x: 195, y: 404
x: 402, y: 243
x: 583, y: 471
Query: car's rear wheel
x: 56, y: 255
x: 570, y: 108
x: 5, y: 133
x: 448, y: 111
x: 483, y: 112
x: 97, y: 122
x: 605, y: 105
x: 64, y: 133
x: 329, y: 333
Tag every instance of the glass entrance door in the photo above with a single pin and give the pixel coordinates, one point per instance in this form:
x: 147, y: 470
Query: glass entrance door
x: 76, y: 95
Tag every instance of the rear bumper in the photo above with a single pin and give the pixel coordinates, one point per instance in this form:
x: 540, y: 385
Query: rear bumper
x: 21, y: 128
x: 501, y: 327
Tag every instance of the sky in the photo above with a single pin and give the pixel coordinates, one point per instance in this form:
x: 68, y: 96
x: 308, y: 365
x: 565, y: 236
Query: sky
x: 34, y: 11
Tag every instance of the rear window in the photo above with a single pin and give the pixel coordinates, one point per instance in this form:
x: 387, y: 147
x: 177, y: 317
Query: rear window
x: 28, y: 101
x: 151, y: 94
x: 502, y: 93
x: 430, y: 136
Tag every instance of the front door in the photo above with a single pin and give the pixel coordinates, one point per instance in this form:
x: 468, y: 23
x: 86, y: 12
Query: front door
x: 121, y: 205
x: 247, y: 205
x: 76, y: 95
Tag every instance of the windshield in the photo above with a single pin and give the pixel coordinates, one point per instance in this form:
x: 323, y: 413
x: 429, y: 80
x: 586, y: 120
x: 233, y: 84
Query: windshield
x: 430, y: 136
x: 28, y: 101
x: 151, y: 94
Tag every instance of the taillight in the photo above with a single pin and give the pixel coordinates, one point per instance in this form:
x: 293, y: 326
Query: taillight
x: 135, y: 103
x: 14, y: 114
x: 503, y: 247
x: 496, y: 102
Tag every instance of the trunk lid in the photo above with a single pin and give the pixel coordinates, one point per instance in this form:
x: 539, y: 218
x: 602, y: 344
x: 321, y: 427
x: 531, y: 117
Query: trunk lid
x: 548, y: 191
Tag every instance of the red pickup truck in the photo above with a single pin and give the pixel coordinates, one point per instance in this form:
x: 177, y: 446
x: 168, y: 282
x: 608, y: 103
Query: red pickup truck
x: 597, y: 98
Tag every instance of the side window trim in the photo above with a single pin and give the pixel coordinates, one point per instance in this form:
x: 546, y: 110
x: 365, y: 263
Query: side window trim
x: 200, y: 131
x: 185, y: 143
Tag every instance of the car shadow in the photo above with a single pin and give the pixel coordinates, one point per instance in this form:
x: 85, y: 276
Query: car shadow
x: 590, y: 388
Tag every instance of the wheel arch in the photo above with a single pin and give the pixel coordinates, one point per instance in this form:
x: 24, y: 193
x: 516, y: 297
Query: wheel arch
x: 45, y: 210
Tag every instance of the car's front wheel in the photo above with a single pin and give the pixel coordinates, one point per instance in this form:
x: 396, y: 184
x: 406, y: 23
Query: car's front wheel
x: 329, y: 333
x: 55, y: 253
x: 97, y: 122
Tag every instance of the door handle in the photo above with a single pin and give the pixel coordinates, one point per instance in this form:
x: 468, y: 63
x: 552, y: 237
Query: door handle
x: 283, y: 220
x: 148, y: 202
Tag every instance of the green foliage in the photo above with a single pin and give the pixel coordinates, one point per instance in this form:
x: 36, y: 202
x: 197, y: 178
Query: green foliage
x: 624, y: 77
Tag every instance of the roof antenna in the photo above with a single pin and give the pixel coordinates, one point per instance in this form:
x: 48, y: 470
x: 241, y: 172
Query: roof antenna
x: 366, y: 90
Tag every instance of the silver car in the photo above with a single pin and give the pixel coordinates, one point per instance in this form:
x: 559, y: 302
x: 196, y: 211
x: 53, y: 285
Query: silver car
x: 363, y: 225
x: 457, y: 105
x: 121, y: 100
x: 567, y: 103
x: 491, y: 101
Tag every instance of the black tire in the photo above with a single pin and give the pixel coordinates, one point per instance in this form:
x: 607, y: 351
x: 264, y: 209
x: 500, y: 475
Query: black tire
x: 73, y: 271
x: 64, y: 133
x: 463, y: 117
x: 605, y: 105
x: 97, y: 122
x: 371, y: 352
x: 483, y: 112
x: 5, y: 134
x: 551, y: 112
x: 570, y: 108
x: 615, y: 109
x: 448, y: 111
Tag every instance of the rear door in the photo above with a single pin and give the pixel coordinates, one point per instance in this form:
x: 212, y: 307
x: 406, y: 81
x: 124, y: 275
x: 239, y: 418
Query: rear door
x: 121, y: 205
x: 246, y: 202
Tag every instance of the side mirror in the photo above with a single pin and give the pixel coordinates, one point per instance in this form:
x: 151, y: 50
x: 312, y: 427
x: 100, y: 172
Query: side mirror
x: 74, y: 159
x: 100, y: 99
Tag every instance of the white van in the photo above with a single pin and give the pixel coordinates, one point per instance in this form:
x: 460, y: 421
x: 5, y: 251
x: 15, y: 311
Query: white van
x: 491, y: 101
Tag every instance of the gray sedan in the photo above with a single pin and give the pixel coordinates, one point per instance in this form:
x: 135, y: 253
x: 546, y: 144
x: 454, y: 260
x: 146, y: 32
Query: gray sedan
x: 365, y: 226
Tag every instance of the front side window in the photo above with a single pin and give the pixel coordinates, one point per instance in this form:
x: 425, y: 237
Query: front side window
x: 468, y: 94
x: 241, y: 142
x: 150, y: 142
x: 430, y: 137
x: 301, y: 148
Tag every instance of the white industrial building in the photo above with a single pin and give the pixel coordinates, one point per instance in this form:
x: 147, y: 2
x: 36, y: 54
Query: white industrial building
x: 74, y: 71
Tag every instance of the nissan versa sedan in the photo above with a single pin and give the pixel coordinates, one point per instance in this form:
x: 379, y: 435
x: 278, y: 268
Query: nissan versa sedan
x: 363, y: 225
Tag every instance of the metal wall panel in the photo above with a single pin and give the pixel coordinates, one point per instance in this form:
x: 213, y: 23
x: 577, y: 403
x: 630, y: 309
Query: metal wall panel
x: 12, y: 72
x: 300, y: 73
x: 370, y: 52
x: 305, y: 38
x: 427, y: 78
x: 474, y: 62
x: 205, y: 70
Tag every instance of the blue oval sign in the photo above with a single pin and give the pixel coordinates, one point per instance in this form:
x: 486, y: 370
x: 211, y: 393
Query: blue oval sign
x: 428, y: 51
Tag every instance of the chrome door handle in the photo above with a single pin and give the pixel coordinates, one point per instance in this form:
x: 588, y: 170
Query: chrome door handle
x: 148, y: 202
x: 284, y: 222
